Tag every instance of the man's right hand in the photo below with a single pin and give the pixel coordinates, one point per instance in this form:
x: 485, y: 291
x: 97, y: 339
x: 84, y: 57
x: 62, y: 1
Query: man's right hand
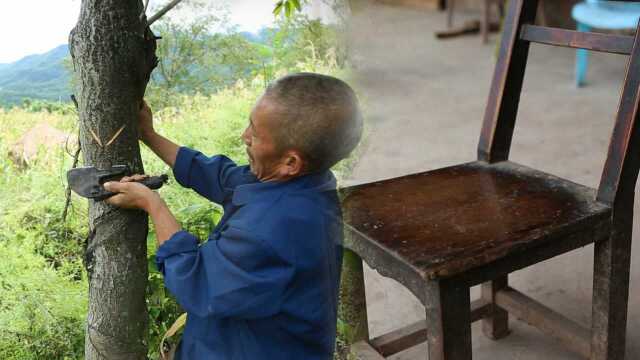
x: 166, y: 149
x: 145, y: 122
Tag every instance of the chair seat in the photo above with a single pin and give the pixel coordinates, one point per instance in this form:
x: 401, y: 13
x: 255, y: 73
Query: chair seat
x: 443, y: 222
x: 614, y: 16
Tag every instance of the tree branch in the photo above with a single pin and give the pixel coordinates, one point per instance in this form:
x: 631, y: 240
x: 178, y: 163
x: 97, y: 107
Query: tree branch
x: 144, y: 9
x: 163, y: 11
x: 146, y: 5
x: 75, y: 164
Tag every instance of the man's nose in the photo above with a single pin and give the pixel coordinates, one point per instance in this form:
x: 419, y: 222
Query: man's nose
x: 246, y: 138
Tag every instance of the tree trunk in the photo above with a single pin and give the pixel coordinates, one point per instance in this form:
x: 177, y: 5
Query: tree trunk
x: 352, y: 309
x: 113, y: 55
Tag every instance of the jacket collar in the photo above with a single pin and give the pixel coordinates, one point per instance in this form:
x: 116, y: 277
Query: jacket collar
x: 255, y: 189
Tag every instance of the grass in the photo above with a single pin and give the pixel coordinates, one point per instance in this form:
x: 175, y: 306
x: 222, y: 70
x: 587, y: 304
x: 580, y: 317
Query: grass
x: 43, y: 284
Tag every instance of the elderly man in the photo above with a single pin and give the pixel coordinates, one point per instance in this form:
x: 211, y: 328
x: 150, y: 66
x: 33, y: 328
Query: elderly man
x: 265, y: 283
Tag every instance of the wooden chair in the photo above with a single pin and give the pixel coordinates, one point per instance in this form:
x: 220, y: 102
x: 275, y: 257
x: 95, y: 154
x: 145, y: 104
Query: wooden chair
x: 485, y: 23
x: 440, y: 232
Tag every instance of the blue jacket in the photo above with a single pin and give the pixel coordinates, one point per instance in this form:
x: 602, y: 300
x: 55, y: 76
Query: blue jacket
x: 265, y: 283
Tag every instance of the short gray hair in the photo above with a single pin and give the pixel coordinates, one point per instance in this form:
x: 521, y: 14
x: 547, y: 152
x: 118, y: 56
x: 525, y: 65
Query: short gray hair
x: 318, y: 115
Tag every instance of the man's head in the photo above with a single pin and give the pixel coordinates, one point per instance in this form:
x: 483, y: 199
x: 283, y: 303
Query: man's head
x: 303, y: 123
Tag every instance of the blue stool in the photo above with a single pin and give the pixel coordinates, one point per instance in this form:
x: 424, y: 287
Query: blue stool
x: 610, y: 15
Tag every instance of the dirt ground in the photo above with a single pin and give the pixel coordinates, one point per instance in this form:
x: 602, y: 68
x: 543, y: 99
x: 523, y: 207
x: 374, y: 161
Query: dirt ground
x: 425, y: 101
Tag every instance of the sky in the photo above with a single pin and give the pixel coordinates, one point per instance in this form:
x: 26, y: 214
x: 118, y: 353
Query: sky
x: 37, y: 26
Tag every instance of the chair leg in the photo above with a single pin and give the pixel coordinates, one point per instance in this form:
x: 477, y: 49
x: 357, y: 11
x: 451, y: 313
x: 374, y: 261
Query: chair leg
x: 496, y: 326
x: 448, y: 320
x: 450, y: 6
x: 484, y: 24
x: 501, y: 12
x: 612, y: 259
x: 582, y: 60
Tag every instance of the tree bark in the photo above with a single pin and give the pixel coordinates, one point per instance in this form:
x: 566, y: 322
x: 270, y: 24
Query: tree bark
x: 113, y: 55
x: 352, y: 309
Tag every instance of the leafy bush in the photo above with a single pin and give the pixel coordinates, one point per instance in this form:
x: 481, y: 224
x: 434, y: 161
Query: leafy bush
x: 37, y: 105
x: 41, y: 310
x: 43, y: 284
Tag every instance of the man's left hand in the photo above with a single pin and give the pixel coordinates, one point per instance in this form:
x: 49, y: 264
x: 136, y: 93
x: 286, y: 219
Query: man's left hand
x: 131, y: 195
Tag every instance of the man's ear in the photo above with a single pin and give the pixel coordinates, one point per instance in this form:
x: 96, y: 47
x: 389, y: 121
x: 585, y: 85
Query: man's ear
x: 294, y: 163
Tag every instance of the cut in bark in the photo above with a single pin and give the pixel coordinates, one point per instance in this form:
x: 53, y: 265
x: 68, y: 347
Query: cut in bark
x: 113, y: 54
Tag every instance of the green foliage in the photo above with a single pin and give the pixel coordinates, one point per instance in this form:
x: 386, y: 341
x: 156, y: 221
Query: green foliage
x: 289, y: 7
x: 43, y: 284
x: 38, y: 105
x: 195, y: 60
x: 298, y: 43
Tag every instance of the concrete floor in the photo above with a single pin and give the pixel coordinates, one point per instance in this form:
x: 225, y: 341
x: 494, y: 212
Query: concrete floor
x: 425, y: 102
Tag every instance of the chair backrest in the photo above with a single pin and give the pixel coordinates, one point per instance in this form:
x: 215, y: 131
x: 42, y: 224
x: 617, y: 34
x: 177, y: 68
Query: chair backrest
x: 623, y: 160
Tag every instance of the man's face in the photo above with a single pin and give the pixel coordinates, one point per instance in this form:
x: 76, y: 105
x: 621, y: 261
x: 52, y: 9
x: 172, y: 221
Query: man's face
x: 264, y: 159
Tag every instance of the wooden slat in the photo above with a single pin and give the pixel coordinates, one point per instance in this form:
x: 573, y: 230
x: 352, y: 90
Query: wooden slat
x: 620, y: 172
x: 557, y: 245
x: 401, y: 339
x: 416, y: 333
x: 480, y: 309
x: 575, y: 336
x: 612, y: 257
x: 504, y: 95
x: 496, y: 325
x: 610, y: 43
x: 361, y: 350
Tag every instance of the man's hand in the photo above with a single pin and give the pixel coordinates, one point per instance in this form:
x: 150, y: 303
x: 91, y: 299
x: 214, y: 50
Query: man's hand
x: 131, y: 195
x: 145, y: 122
x: 166, y: 149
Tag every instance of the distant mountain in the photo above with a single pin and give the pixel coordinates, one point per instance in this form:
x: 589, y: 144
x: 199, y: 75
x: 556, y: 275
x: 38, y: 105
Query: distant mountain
x: 260, y: 37
x: 41, y: 76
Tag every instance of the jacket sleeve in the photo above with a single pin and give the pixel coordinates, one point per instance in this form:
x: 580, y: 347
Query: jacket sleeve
x: 212, y: 177
x: 239, y: 275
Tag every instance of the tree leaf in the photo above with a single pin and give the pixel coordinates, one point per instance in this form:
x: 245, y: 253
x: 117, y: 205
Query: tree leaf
x: 287, y: 8
x: 177, y: 325
x: 296, y: 3
x: 278, y: 8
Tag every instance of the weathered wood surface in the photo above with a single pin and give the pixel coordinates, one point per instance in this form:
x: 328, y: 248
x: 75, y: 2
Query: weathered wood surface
x: 496, y: 325
x: 623, y: 158
x: 400, y: 339
x: 558, y: 245
x: 610, y: 43
x: 439, y: 232
x: 448, y: 319
x: 504, y: 94
x: 612, y: 258
x: 416, y: 333
x: 113, y: 55
x: 447, y: 221
x: 361, y: 350
x: 612, y: 262
x: 575, y: 336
